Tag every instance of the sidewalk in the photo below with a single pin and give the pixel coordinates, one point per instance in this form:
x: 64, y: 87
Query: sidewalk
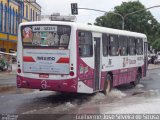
x: 8, y: 80
x: 13, y: 72
x: 152, y: 66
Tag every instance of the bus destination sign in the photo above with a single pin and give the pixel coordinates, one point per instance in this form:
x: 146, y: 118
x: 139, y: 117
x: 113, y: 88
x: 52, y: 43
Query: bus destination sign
x: 44, y: 28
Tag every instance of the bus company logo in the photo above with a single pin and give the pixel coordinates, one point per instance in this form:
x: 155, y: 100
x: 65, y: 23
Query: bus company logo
x: 46, y: 58
x: 44, y: 84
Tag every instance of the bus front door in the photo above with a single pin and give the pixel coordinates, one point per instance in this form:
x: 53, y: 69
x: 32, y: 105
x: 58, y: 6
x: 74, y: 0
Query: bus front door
x: 97, y: 62
x: 145, y: 58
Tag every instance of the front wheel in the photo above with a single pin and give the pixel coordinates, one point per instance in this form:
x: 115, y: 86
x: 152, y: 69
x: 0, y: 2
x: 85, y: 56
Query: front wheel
x: 107, y: 84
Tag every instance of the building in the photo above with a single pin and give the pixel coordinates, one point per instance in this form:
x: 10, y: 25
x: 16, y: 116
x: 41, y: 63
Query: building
x: 13, y: 12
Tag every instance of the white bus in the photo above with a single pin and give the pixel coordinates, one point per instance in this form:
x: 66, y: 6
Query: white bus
x: 72, y: 57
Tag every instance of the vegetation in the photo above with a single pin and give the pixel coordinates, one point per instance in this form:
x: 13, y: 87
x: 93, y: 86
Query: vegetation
x: 142, y: 22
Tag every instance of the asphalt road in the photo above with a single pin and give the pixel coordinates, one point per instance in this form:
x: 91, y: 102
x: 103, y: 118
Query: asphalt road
x: 25, y: 102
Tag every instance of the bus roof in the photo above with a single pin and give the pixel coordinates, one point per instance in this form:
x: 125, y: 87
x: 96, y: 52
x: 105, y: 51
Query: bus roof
x: 86, y: 27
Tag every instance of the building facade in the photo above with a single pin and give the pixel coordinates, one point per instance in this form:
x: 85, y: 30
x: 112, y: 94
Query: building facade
x: 13, y: 12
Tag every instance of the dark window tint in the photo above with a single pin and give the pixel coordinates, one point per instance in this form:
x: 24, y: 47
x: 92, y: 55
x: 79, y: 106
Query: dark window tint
x: 85, y: 44
x: 123, y: 40
x: 139, y: 46
x: 132, y: 46
x: 113, y: 45
x: 105, y: 44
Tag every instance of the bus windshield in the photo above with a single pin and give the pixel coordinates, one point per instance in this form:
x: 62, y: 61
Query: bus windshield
x: 53, y: 36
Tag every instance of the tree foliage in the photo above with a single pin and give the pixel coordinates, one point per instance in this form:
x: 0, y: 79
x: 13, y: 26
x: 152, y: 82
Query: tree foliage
x: 156, y: 44
x: 142, y: 21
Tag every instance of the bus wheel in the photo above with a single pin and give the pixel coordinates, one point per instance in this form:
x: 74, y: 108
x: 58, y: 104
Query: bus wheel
x: 107, y: 84
x: 138, y: 77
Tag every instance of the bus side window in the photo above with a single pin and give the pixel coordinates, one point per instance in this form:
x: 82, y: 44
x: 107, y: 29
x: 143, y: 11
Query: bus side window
x: 139, y: 46
x: 85, y: 44
x: 113, y: 45
x: 132, y: 46
x: 123, y: 45
x: 105, y: 44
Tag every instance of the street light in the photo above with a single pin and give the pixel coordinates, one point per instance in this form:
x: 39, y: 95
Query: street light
x: 122, y: 17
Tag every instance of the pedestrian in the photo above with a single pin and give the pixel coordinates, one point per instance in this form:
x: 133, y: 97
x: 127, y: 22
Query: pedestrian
x: 9, y: 64
x: 2, y: 63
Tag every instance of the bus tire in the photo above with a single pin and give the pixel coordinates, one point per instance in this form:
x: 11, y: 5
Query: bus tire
x: 107, y: 84
x: 138, y: 77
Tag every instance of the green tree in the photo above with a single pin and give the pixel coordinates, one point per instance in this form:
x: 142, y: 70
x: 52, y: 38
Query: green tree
x: 142, y: 22
x: 156, y: 44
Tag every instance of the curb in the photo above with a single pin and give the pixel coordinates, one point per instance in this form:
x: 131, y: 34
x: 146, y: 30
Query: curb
x: 154, y: 67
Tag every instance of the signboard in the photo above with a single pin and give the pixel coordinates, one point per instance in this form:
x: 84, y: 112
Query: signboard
x: 46, y: 61
x: 44, y: 28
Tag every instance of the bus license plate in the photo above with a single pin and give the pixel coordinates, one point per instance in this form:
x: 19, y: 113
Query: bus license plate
x: 44, y: 75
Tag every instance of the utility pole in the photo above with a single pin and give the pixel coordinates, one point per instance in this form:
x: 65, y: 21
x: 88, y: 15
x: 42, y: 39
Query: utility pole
x: 126, y: 15
x: 123, y: 17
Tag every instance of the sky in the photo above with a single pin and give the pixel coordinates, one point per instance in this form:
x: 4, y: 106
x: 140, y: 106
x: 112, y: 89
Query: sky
x: 84, y: 16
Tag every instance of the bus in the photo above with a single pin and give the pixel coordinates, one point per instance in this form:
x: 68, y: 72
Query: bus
x: 78, y: 58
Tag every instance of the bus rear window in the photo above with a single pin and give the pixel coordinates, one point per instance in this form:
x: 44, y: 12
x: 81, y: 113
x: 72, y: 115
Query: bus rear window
x: 46, y: 36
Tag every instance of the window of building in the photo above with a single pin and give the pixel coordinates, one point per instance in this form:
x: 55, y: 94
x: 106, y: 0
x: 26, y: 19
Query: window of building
x: 31, y: 14
x: 113, y: 45
x: 139, y: 46
x: 36, y: 17
x: 123, y: 45
x: 132, y: 46
x: 85, y: 44
x: 13, y: 21
x: 21, y: 7
x: 1, y: 8
x: 2, y: 17
x: 15, y: 17
x: 17, y: 20
x: 27, y: 11
x: 105, y: 44
x: 5, y: 15
x: 9, y: 19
